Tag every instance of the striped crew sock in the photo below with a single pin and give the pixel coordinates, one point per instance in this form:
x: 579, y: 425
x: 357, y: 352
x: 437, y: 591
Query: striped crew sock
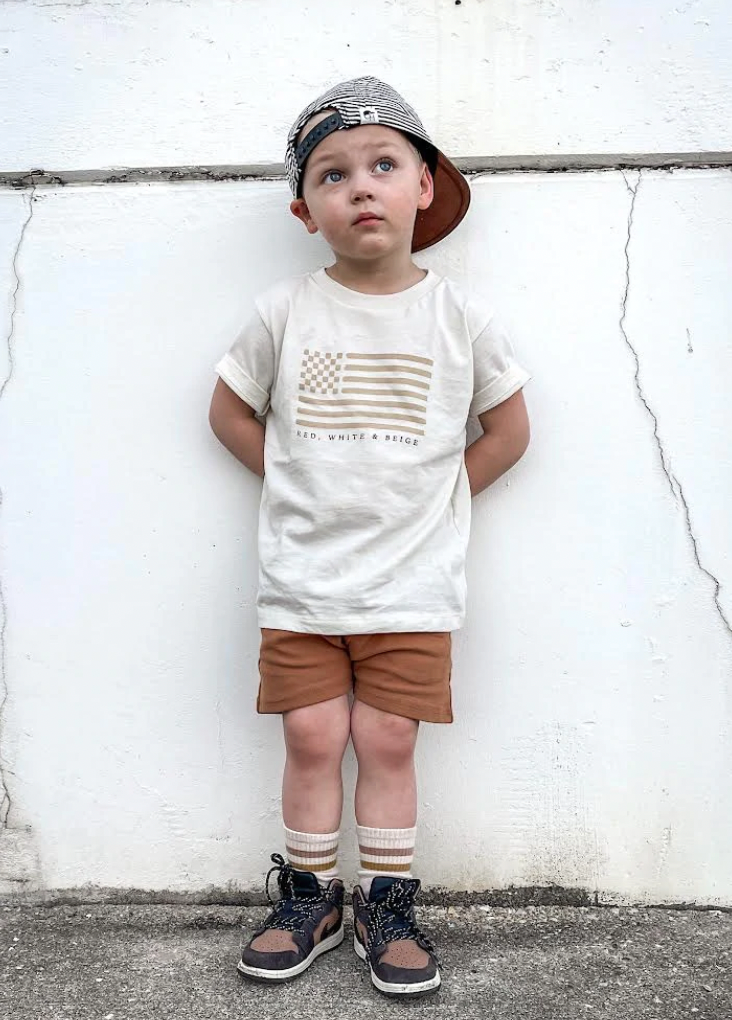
x: 313, y: 851
x: 384, y: 852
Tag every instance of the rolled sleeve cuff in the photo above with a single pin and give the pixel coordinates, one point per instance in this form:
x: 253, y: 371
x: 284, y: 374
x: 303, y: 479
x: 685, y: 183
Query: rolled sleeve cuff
x: 242, y: 384
x: 499, y: 390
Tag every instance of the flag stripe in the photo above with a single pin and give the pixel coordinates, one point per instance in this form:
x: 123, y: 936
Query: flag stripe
x: 362, y: 414
x: 400, y: 357
x: 385, y: 391
x: 388, y: 368
x: 396, y: 382
x: 358, y: 425
x: 362, y: 403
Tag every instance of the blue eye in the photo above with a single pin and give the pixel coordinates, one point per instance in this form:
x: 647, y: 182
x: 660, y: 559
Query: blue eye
x: 385, y: 165
x: 333, y: 177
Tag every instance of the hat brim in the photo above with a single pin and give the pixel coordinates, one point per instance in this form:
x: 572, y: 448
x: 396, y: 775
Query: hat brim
x: 451, y: 201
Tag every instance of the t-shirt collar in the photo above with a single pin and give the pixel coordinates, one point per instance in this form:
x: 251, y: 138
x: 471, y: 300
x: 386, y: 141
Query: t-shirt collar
x: 356, y: 299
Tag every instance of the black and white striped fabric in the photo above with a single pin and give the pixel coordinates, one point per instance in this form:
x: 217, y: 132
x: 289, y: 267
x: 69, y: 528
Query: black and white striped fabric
x: 363, y: 100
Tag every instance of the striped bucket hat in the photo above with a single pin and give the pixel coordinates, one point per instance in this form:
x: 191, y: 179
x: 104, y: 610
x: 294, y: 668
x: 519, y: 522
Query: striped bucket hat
x: 370, y: 101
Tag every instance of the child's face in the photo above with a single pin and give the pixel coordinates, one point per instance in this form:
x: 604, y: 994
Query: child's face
x: 362, y: 189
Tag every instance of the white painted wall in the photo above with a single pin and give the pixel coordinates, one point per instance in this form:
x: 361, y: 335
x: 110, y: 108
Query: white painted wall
x: 592, y: 745
x: 97, y: 83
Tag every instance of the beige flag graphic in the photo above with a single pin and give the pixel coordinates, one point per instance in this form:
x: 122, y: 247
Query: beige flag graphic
x: 341, y: 390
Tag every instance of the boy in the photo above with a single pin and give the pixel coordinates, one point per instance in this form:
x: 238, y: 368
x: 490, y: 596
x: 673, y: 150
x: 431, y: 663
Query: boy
x: 366, y: 371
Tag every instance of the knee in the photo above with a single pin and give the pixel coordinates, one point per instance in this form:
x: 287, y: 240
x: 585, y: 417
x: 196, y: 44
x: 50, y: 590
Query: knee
x: 316, y: 737
x: 382, y: 738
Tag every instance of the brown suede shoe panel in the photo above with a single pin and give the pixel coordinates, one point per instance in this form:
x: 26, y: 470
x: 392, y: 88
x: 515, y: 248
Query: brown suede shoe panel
x: 405, y: 953
x: 329, y: 919
x: 274, y: 940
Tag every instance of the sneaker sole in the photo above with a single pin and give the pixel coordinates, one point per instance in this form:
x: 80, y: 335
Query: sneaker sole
x: 262, y: 974
x: 411, y: 989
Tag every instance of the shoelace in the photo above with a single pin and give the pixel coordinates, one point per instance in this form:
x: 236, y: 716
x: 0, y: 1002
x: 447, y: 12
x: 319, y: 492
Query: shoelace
x: 394, y: 916
x: 289, y: 913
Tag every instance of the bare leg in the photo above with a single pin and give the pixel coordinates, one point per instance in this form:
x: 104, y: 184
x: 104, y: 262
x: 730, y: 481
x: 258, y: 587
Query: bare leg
x: 386, y: 789
x: 312, y: 788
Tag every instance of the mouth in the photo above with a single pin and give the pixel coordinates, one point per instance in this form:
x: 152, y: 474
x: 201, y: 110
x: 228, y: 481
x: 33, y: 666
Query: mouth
x: 367, y: 218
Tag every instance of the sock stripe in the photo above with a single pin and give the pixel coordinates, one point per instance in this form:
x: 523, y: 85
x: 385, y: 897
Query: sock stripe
x: 320, y: 865
x: 383, y: 851
x: 328, y: 866
x: 313, y: 851
x: 385, y: 869
x: 325, y: 854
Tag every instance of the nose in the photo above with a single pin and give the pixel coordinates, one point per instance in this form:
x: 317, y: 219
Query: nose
x: 361, y: 187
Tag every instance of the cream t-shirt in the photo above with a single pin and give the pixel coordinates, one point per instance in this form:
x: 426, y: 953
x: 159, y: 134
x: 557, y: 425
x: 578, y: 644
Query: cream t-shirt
x: 365, y: 510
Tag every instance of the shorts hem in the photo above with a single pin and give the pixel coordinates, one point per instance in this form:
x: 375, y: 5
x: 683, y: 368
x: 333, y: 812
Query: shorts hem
x: 420, y: 713
x: 305, y: 698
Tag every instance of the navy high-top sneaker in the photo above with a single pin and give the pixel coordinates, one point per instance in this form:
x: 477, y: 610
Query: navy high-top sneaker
x: 401, y: 958
x: 305, y: 922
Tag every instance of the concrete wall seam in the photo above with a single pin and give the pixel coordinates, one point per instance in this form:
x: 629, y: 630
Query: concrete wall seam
x: 472, y: 167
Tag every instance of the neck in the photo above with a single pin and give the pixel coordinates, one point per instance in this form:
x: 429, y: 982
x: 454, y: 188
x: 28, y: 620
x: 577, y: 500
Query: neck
x: 377, y: 276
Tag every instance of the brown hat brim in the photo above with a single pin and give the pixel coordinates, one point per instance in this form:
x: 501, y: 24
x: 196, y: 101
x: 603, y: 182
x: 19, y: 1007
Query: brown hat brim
x: 451, y: 201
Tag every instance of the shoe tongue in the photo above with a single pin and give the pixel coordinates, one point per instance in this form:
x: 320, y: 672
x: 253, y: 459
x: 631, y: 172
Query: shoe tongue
x: 380, y: 886
x: 304, y: 883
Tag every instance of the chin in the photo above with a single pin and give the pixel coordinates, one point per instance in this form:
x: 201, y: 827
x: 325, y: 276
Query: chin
x: 372, y: 246
x: 363, y: 252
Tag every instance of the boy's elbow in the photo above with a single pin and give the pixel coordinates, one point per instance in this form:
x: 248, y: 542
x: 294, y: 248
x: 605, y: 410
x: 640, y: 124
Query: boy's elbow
x: 517, y: 449
x: 524, y: 439
x: 521, y: 437
x: 215, y: 417
x: 212, y: 418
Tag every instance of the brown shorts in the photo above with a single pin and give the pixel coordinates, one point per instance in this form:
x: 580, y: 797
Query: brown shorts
x: 406, y: 674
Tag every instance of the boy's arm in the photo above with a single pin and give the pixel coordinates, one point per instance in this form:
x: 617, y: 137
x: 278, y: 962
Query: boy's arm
x: 504, y: 441
x: 234, y: 425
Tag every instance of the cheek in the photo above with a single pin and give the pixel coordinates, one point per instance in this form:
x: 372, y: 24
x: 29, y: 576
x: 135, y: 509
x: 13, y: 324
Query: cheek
x: 405, y: 198
x: 331, y: 213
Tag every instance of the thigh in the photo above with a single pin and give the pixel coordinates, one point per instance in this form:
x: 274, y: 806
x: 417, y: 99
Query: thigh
x: 297, y: 670
x: 406, y: 674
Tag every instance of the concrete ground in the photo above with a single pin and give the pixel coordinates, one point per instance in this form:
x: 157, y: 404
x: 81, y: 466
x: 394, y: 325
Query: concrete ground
x: 532, y: 963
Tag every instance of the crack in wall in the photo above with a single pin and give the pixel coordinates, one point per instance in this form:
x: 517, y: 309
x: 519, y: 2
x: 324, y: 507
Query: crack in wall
x: 624, y: 309
x: 6, y: 801
x: 14, y: 295
x: 677, y: 490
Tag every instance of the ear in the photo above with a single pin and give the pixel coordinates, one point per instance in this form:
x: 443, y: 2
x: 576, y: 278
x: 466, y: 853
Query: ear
x: 426, y: 188
x: 299, y: 208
